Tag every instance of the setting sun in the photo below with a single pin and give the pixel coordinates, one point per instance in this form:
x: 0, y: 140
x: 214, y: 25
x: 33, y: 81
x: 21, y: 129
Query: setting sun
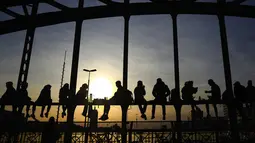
x: 100, y: 88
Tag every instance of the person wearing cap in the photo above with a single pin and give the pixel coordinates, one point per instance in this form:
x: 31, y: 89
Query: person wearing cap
x: 9, y: 97
x: 160, y: 92
x: 215, y: 97
x: 43, y: 100
x: 24, y: 99
x: 139, y: 93
x: 121, y: 96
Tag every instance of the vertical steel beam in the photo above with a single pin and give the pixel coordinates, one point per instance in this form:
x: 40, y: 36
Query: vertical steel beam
x: 27, y: 51
x: 125, y: 54
x: 177, y: 77
x: 124, y: 108
x: 228, y: 79
x: 74, y: 72
x: 227, y: 71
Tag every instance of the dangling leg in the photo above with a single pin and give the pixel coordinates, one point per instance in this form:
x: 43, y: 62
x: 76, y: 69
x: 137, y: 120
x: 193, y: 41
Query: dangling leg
x: 20, y: 108
x: 207, y: 110
x: 33, y: 110
x: 106, y: 111
x: 27, y: 110
x: 164, y: 111
x: 144, y: 110
x: 42, y: 110
x: 215, y: 110
x: 153, y: 111
x: 48, y: 109
x: 85, y: 109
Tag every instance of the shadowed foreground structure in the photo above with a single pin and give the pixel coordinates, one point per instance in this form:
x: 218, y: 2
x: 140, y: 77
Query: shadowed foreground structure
x: 212, y: 131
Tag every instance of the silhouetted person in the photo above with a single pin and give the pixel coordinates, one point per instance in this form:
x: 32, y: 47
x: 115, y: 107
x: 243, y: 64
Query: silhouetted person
x: 250, y: 90
x: 240, y: 93
x: 121, y: 96
x: 64, y: 94
x: 50, y: 133
x: 23, y: 98
x: 9, y: 97
x: 174, y: 98
x: 187, y: 93
x: 215, y: 97
x: 160, y: 92
x: 231, y: 102
x: 43, y: 100
x: 81, y: 98
x: 139, y: 98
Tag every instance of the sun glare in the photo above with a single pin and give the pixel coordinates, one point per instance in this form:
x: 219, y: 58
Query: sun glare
x: 100, y: 88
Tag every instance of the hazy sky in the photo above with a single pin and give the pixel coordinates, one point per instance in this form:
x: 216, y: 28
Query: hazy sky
x: 150, y: 51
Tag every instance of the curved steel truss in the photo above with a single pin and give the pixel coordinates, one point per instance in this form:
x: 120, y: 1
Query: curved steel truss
x: 113, y: 9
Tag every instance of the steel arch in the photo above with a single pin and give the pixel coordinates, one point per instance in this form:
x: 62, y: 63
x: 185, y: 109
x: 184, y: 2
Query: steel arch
x: 74, y: 14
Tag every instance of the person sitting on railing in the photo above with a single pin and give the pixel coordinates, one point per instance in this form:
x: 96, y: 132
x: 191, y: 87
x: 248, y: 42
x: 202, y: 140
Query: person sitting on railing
x: 160, y: 92
x: 64, y: 94
x: 139, y: 98
x: 215, y: 97
x: 23, y: 98
x: 240, y: 93
x: 250, y: 90
x: 174, y: 98
x: 43, y: 100
x: 81, y: 98
x: 230, y: 102
x: 50, y: 132
x: 187, y: 93
x: 122, y: 96
x: 9, y: 97
x: 240, y: 96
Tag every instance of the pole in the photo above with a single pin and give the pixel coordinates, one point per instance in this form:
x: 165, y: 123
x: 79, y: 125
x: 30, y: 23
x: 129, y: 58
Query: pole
x: 74, y: 71
x: 177, y: 77
x: 85, y: 122
x: 124, y: 108
x: 227, y: 71
x: 61, y: 82
x: 228, y: 79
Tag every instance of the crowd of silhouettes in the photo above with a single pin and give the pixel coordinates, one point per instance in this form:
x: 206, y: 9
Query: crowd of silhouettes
x: 242, y: 96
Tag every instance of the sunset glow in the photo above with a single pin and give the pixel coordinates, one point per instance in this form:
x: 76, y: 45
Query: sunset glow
x: 101, y: 87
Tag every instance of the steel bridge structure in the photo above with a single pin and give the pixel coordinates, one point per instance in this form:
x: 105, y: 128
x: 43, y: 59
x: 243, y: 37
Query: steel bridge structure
x: 30, y: 20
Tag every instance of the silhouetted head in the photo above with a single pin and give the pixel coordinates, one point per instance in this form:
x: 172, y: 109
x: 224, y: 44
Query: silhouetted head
x: 66, y: 85
x: 139, y: 83
x: 249, y: 82
x: 159, y: 80
x: 237, y: 83
x: 210, y: 82
x: 48, y: 87
x: 118, y: 83
x: 191, y: 83
x: 24, y: 85
x: 52, y: 120
x: 9, y: 85
x: 85, y: 86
